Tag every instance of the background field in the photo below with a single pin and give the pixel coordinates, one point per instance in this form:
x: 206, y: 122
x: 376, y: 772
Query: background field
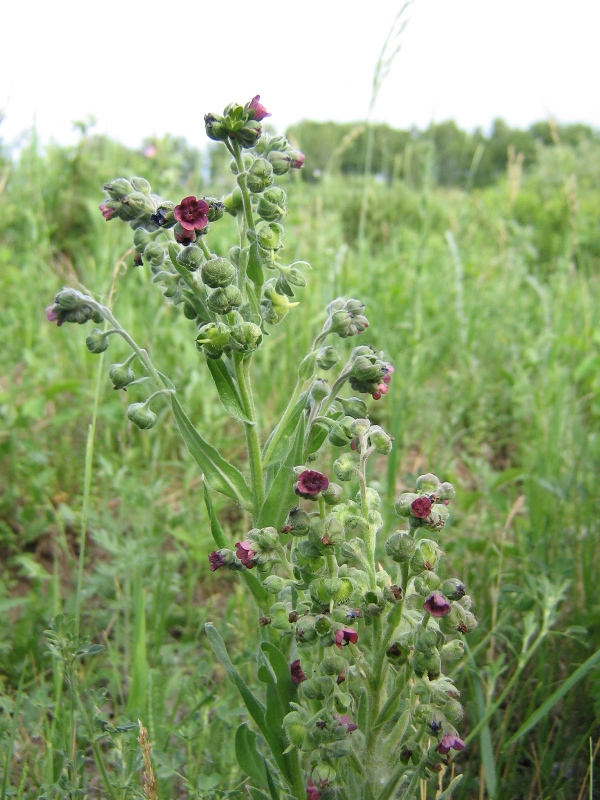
x: 485, y: 294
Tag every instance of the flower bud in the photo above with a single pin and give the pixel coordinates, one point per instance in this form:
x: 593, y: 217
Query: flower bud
x: 317, y: 688
x: 141, y: 238
x: 273, y: 584
x: 427, y: 484
x: 353, y: 407
x: 297, y: 522
x: 453, y: 588
x: 216, y: 128
x: 358, y: 427
x: 346, y: 466
x: 381, y: 441
x: 453, y: 650
x: 295, y: 728
x: 400, y: 547
x: 271, y: 206
x: 426, y: 557
x: 453, y: 710
x: 249, y: 134
x: 404, y: 502
x: 274, y: 306
x: 96, y: 341
x: 280, y: 161
x: 333, y: 664
x: 154, y: 254
x: 141, y: 185
x: 323, y: 774
x: 218, y: 273
x: 339, y: 435
x: 118, y: 188
x: 246, y: 337
x: 259, y: 176
x: 319, y: 390
x: 327, y: 357
x: 280, y: 618
x: 141, y: 415
x: 213, y: 339
x: 247, y: 161
x: 233, y: 202
x: 223, y: 301
x: 121, y: 375
x: 216, y: 209
x: 190, y: 257
x: 426, y: 583
x: 445, y: 491
x: 268, y: 236
x: 333, y: 494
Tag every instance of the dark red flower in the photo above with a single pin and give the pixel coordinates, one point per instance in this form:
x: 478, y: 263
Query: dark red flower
x: 448, y: 742
x: 182, y: 236
x: 437, y: 605
x: 216, y: 560
x: 296, y: 159
x: 245, y: 553
x: 312, y: 793
x: 297, y: 672
x: 107, y: 211
x: 255, y: 109
x: 345, y: 720
x: 311, y: 483
x: 345, y: 635
x: 192, y: 214
x: 421, y: 507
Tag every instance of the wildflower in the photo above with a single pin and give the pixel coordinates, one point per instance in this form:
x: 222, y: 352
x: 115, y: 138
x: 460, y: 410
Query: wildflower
x: 312, y: 793
x: 255, y: 109
x: 344, y: 719
x: 216, y: 560
x: 311, y: 483
x: 245, y: 553
x: 437, y: 605
x: 345, y: 635
x: 421, y: 507
x: 192, y: 214
x: 297, y: 672
x: 296, y: 159
x: 52, y: 315
x: 107, y: 211
x: 448, y: 742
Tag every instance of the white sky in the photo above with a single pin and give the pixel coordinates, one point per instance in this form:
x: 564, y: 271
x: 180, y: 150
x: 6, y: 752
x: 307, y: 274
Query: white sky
x: 156, y: 67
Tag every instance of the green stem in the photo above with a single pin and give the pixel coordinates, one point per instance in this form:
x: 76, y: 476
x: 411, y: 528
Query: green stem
x: 242, y: 370
x: 283, y: 421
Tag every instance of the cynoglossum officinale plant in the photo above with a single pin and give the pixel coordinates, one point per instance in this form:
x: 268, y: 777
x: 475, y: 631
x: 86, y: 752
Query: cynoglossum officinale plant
x: 351, y: 699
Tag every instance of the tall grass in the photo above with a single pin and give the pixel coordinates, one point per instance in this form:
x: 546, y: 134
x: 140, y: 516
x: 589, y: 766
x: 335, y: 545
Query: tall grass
x: 491, y: 325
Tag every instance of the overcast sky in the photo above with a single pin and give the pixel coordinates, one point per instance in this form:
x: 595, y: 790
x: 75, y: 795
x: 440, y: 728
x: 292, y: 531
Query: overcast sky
x: 155, y: 67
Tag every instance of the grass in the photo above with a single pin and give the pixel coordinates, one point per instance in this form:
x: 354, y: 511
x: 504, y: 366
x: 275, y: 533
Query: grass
x: 486, y: 301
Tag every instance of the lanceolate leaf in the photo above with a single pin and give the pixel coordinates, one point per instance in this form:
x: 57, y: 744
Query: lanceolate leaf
x: 256, y: 709
x: 220, y: 474
x: 286, y: 689
x: 278, y: 443
x: 248, y: 757
x: 281, y: 493
x: 228, y: 393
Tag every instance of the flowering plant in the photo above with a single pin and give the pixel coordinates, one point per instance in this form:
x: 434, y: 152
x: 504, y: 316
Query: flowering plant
x: 353, y: 701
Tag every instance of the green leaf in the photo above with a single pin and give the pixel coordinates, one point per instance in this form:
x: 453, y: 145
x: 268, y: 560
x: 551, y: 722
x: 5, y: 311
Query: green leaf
x: 228, y: 391
x: 256, y: 709
x: 281, y: 495
x: 248, y: 757
x: 219, y: 473
x: 541, y: 712
x: 254, y: 269
x: 274, y: 714
x: 317, y: 436
x: 256, y: 794
x: 447, y: 794
x: 485, y: 743
x: 288, y: 692
x: 278, y: 443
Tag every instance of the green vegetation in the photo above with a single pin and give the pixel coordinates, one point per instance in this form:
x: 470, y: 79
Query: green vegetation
x: 486, y: 295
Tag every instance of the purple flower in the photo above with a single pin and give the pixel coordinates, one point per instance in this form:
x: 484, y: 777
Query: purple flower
x: 52, y: 315
x: 216, y: 560
x: 245, y: 553
x: 107, y: 211
x: 421, y: 507
x: 448, y: 742
x: 297, y: 672
x: 345, y: 720
x: 312, y: 793
x: 437, y: 605
x: 345, y: 635
x: 192, y: 214
x: 255, y: 109
x: 311, y: 483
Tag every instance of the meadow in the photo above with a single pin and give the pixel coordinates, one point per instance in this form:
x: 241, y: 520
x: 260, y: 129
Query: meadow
x: 487, y: 301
